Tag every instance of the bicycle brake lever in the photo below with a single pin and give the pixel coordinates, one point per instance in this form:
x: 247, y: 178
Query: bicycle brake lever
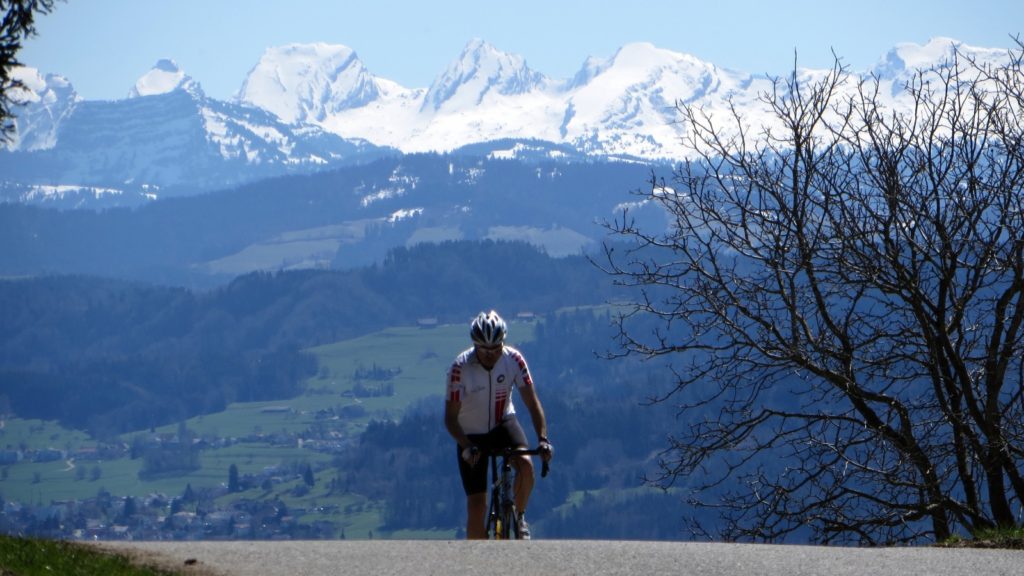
x: 544, y: 470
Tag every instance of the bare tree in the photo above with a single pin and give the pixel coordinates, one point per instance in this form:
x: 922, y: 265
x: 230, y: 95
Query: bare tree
x: 18, y: 23
x: 840, y: 293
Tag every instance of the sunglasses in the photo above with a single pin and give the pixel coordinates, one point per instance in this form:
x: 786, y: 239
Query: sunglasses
x: 493, y: 348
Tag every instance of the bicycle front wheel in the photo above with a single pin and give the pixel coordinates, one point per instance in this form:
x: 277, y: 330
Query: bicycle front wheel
x: 510, y: 526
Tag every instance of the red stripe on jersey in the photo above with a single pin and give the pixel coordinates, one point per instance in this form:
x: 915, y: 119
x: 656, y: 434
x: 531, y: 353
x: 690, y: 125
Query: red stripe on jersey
x: 455, y: 396
x: 527, y: 380
x: 499, y: 404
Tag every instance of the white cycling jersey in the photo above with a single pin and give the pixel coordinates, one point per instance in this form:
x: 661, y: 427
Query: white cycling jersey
x: 486, y: 395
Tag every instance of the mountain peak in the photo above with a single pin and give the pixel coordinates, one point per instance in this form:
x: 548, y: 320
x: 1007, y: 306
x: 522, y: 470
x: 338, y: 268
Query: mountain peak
x: 478, y: 70
x: 647, y: 56
x: 937, y: 52
x: 622, y: 105
x: 640, y: 62
x: 477, y: 44
x: 46, y: 101
x: 308, y: 82
x: 165, y: 76
x: 167, y: 65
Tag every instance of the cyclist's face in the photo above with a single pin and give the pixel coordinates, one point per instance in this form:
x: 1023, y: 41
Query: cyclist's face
x: 488, y: 355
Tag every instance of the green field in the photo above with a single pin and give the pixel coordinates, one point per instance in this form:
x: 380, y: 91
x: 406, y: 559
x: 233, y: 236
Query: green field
x: 414, y: 359
x: 18, y: 433
x: 417, y: 356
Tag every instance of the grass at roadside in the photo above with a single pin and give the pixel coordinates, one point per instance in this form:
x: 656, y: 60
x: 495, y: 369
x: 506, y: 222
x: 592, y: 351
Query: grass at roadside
x: 35, y: 557
x: 1009, y: 538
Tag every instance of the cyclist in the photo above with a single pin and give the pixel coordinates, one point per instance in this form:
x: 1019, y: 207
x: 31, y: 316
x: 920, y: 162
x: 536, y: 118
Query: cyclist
x: 480, y: 416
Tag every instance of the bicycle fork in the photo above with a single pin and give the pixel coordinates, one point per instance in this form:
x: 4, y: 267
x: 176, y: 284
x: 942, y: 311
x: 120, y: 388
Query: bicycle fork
x: 502, y: 513
x: 508, y: 505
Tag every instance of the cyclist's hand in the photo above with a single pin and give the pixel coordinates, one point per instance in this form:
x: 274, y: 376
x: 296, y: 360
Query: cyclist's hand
x: 471, y: 454
x: 546, y: 451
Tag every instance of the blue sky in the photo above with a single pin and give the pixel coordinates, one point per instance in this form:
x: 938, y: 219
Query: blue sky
x: 103, y: 46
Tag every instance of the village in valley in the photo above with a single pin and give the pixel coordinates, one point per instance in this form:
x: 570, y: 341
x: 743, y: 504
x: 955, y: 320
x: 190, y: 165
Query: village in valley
x: 242, y: 506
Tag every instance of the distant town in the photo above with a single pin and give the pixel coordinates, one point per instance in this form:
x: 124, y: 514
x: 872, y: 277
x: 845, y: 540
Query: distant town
x: 190, y: 515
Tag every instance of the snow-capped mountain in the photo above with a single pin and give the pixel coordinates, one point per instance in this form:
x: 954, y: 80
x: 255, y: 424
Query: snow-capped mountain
x: 622, y: 106
x: 164, y: 77
x: 481, y: 71
x: 308, y: 82
x: 906, y: 58
x: 47, y: 101
x: 305, y: 106
x: 625, y: 105
x: 166, y: 138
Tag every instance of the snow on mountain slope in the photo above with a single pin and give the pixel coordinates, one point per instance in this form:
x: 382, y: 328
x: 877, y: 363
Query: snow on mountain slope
x: 906, y: 58
x: 621, y: 106
x: 164, y: 77
x: 627, y: 105
x: 390, y: 120
x: 46, y: 102
x: 305, y: 106
x: 624, y: 105
x: 167, y: 135
x: 481, y: 72
x: 309, y: 82
x: 485, y: 94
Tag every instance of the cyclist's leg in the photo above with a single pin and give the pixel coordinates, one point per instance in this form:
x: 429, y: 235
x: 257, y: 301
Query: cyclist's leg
x: 523, y: 465
x: 476, y: 516
x: 474, y: 483
x: 524, y: 480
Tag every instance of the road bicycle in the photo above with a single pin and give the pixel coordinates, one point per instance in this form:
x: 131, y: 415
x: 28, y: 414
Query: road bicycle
x: 502, y: 516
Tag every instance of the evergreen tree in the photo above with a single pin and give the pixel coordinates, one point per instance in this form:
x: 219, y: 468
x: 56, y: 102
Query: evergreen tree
x: 130, y: 509
x: 16, y: 24
x: 233, y: 479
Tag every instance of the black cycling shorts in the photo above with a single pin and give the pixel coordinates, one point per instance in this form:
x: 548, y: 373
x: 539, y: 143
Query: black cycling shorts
x: 508, y: 434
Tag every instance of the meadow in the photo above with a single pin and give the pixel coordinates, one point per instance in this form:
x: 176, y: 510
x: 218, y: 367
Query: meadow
x: 394, y: 369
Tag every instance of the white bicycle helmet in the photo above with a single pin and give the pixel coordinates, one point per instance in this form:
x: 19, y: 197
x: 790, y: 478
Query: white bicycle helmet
x: 488, y: 329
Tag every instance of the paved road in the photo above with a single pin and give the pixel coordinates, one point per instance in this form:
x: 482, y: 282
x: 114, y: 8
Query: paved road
x: 564, y: 558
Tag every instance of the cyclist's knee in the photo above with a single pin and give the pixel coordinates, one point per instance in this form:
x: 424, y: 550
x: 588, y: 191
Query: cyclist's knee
x: 523, y: 465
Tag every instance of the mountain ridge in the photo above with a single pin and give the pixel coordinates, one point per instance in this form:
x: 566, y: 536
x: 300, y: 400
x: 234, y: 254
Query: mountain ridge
x: 307, y: 107
x: 621, y: 105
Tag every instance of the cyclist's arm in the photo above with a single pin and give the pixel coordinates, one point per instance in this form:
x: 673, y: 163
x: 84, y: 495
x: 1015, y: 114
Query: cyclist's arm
x: 532, y: 402
x: 451, y: 422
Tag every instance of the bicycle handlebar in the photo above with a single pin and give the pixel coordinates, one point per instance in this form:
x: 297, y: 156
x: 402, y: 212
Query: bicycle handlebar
x: 520, y: 452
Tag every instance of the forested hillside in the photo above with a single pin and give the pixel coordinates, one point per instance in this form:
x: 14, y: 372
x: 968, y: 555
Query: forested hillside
x: 112, y: 356
x: 345, y: 218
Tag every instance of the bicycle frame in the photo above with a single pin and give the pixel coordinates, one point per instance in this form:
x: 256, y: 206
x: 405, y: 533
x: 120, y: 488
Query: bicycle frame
x: 502, y: 515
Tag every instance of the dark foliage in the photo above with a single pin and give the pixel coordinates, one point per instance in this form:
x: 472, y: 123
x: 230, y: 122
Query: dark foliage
x: 17, y: 23
x: 112, y: 356
x: 170, y: 241
x: 843, y: 304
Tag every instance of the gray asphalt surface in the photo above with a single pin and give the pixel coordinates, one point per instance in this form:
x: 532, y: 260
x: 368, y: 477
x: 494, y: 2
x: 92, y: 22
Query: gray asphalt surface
x: 562, y: 557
